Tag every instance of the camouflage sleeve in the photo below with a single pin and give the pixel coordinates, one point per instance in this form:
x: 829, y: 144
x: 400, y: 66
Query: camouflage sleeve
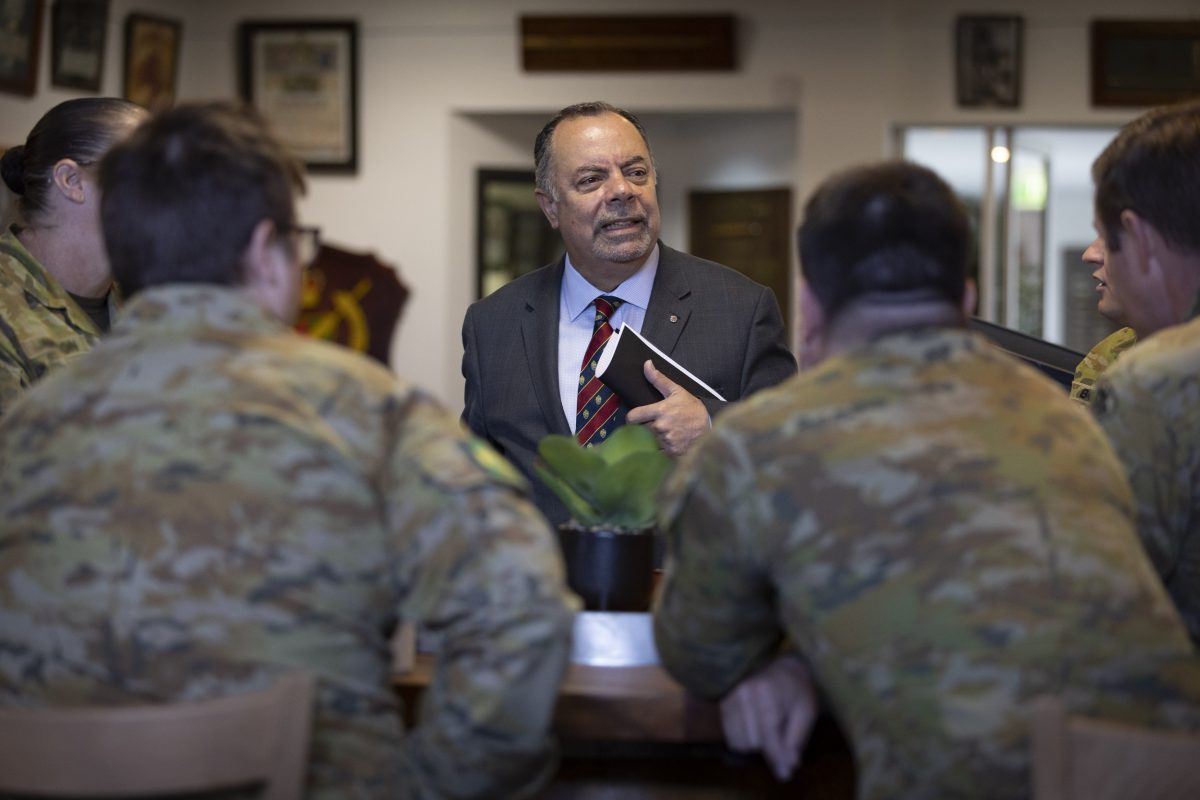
x: 714, y: 621
x: 479, y: 567
x: 1142, y: 417
x: 12, y: 379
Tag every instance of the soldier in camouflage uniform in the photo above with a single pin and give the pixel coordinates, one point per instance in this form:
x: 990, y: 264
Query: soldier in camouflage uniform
x: 1147, y: 201
x: 935, y: 529
x: 56, y: 292
x: 208, y: 499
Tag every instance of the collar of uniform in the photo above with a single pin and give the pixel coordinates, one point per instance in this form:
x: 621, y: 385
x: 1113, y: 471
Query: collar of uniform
x: 41, y: 286
x: 185, y: 305
x: 925, y: 344
x: 578, y: 294
x: 37, y: 281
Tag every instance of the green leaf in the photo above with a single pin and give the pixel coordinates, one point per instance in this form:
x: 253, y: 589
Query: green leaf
x: 613, y: 484
x: 626, y: 440
x: 629, y: 492
x: 580, y: 510
x: 579, y: 467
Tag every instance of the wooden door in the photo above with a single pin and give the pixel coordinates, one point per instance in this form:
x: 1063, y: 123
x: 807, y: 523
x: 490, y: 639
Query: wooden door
x: 750, y: 231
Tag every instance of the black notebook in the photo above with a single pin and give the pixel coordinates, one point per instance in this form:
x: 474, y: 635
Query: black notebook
x: 620, y: 368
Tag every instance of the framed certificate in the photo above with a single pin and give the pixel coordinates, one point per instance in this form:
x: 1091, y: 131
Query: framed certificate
x: 78, y: 29
x: 303, y: 77
x: 20, y: 34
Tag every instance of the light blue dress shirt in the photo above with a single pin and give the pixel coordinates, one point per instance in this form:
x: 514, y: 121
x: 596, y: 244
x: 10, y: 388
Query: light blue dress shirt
x: 577, y: 315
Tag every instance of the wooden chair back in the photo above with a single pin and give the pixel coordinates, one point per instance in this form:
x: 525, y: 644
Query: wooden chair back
x: 1076, y: 758
x: 259, y: 738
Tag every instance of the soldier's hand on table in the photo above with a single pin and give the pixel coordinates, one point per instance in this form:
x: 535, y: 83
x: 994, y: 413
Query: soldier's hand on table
x: 773, y: 711
x: 677, y: 420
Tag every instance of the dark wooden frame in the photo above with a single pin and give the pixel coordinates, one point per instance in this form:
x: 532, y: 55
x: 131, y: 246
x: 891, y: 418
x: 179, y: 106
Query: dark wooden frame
x: 138, y: 51
x: 987, y: 61
x: 20, y: 76
x: 78, y: 25
x: 250, y: 71
x: 1128, y: 59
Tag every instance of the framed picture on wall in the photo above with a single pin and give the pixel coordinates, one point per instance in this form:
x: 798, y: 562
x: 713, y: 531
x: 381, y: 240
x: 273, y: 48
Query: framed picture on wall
x: 20, y: 34
x: 303, y: 77
x: 1144, y: 62
x: 151, y: 60
x: 78, y: 29
x: 988, y: 61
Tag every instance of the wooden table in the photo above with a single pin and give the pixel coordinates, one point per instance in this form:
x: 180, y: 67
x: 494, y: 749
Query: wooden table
x: 633, y: 704
x: 633, y: 733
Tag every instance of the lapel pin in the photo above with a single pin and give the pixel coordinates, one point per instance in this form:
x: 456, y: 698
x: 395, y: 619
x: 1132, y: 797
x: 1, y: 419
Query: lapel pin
x: 674, y: 318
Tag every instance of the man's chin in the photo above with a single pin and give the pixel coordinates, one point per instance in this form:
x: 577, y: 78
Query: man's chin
x: 625, y: 251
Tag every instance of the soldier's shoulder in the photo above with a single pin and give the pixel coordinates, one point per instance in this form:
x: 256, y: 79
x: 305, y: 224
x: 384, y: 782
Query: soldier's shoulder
x: 1169, y: 355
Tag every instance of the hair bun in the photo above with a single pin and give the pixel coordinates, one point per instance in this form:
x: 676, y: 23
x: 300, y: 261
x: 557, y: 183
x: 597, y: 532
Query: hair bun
x: 12, y: 168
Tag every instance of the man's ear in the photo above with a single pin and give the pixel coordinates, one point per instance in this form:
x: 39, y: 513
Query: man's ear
x: 970, y: 297
x: 549, y: 207
x: 261, y: 266
x: 813, y: 338
x: 1144, y: 242
x: 67, y: 177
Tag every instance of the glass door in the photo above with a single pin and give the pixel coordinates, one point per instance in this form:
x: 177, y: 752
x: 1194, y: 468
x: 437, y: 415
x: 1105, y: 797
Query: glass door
x: 1028, y: 191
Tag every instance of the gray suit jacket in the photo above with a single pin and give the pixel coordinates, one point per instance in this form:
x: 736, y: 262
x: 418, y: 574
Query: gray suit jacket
x: 716, y: 322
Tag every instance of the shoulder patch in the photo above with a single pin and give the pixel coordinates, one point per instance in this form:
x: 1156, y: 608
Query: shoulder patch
x: 492, y: 462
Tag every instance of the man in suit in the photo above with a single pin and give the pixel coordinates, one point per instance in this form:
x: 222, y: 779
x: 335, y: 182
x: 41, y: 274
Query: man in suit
x: 524, y: 344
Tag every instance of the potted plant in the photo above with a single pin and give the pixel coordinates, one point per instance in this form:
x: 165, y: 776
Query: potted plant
x: 609, y: 490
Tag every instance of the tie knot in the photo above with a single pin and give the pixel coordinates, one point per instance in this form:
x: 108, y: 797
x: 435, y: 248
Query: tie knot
x: 606, y: 306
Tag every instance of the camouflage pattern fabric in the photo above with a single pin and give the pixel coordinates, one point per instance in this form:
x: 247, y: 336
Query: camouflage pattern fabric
x: 41, y: 327
x: 1150, y: 409
x: 1098, y: 359
x: 942, y: 535
x: 208, y: 499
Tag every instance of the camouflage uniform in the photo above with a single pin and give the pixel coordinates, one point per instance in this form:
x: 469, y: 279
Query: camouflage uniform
x: 41, y: 327
x: 943, y: 536
x: 1098, y: 359
x: 1149, y: 405
x: 208, y: 498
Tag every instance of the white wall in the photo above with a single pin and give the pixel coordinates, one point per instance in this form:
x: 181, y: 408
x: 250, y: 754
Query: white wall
x: 843, y: 73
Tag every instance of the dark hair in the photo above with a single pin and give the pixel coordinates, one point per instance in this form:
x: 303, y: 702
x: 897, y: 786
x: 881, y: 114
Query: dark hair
x: 82, y: 130
x: 543, y: 152
x: 884, y: 228
x: 183, y: 194
x: 1153, y: 168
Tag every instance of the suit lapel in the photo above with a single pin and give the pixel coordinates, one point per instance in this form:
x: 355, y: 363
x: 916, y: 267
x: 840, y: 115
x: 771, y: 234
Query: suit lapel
x: 670, y: 301
x: 539, y: 330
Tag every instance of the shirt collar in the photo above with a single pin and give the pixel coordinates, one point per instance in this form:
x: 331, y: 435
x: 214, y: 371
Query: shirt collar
x: 578, y: 294
x: 185, y: 306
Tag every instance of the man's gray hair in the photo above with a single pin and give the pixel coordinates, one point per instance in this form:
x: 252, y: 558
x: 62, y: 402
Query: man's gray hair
x: 543, y: 152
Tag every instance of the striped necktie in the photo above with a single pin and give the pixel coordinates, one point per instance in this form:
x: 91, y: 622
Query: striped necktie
x: 598, y: 411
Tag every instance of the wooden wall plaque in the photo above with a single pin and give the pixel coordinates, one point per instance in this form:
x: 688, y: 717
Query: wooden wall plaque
x: 628, y: 43
x: 1144, y: 62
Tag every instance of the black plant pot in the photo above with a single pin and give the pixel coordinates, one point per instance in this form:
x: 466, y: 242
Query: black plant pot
x: 611, y: 571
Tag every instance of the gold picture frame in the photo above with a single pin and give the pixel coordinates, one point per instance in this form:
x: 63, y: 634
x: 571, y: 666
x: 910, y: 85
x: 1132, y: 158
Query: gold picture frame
x: 151, y: 60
